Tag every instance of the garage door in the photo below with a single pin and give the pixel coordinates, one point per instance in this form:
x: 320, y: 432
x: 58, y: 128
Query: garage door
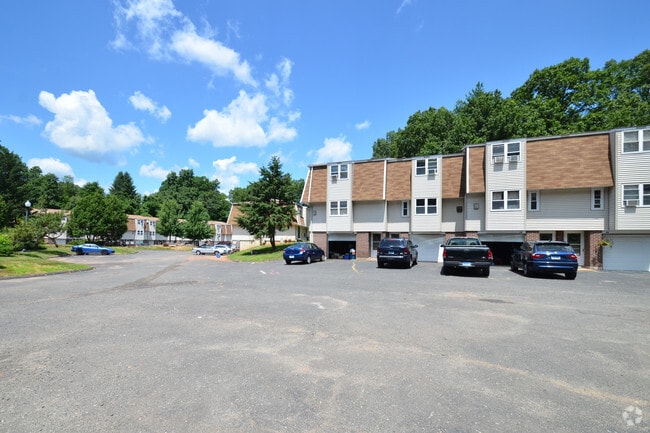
x: 428, y: 247
x: 627, y: 253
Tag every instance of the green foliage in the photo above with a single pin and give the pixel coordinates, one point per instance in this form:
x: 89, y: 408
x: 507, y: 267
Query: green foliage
x: 272, y: 204
x: 124, y: 189
x: 169, y: 219
x: 196, y: 225
x: 96, y: 216
x: 6, y: 245
x: 47, y: 225
x: 13, y: 187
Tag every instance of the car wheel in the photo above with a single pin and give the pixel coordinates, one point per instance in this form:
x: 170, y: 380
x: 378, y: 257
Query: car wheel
x: 409, y: 264
x: 308, y: 260
x: 288, y: 262
x: 80, y: 252
x: 513, y: 267
x: 198, y: 253
x: 571, y: 275
x: 485, y: 272
x: 527, y: 271
x: 322, y: 257
x: 104, y: 253
x: 443, y: 270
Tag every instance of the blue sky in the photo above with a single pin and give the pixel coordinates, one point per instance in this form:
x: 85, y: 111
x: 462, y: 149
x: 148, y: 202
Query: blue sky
x: 91, y: 88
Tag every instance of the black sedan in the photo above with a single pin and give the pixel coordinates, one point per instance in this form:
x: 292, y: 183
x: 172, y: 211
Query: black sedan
x: 305, y: 252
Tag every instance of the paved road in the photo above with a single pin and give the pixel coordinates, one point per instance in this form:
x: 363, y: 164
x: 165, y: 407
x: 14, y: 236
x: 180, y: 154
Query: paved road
x: 169, y: 342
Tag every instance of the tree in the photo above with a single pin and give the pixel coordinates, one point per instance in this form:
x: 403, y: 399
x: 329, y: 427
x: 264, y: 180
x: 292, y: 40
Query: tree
x: 48, y: 225
x: 169, y: 219
x: 13, y: 187
x: 124, y: 189
x: 185, y: 188
x: 97, y: 217
x: 272, y: 205
x: 196, y: 225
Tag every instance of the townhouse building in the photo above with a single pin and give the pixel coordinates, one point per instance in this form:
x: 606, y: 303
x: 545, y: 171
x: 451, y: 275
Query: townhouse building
x: 591, y: 190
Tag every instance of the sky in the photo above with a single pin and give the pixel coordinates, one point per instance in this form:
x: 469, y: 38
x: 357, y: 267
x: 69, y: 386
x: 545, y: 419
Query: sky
x: 89, y: 88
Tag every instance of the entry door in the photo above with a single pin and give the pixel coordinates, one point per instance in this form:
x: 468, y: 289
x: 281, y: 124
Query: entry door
x: 576, y: 241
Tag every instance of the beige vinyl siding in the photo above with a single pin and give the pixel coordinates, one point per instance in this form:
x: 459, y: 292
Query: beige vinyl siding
x: 565, y: 210
x: 426, y: 187
x: 318, y: 217
x: 369, y: 216
x: 452, y: 220
x: 632, y: 168
x: 505, y: 177
x: 475, y: 218
x: 395, y: 222
x: 340, y: 190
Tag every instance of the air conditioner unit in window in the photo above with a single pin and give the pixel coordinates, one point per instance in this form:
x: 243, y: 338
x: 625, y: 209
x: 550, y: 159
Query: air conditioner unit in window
x: 513, y: 158
x: 497, y: 159
x: 630, y: 203
x: 433, y: 171
x: 335, y: 176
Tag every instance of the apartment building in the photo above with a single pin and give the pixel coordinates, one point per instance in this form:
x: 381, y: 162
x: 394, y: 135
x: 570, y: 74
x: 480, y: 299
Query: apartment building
x: 591, y: 190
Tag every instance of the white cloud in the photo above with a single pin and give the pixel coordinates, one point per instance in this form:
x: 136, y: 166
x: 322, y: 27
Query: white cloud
x: 228, y: 171
x: 363, y: 125
x: 82, y: 127
x: 143, y: 103
x: 334, y: 149
x: 166, y: 33
x: 51, y: 165
x: 154, y: 171
x: 403, y: 5
x: 29, y: 120
x: 193, y: 163
x: 242, y: 124
x: 278, y: 83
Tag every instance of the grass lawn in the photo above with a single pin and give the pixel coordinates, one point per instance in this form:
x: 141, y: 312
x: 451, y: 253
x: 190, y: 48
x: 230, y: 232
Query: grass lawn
x: 38, y: 262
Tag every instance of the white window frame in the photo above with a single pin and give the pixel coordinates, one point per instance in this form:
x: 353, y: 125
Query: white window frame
x: 534, y: 204
x: 597, y: 199
x: 426, y: 206
x: 639, y: 139
x: 506, y: 152
x: 420, y: 167
x: 334, y: 171
x: 343, y: 171
x: 498, y: 151
x: 507, y: 198
x: 405, y: 209
x: 432, y: 166
x: 639, y: 192
x: 338, y: 208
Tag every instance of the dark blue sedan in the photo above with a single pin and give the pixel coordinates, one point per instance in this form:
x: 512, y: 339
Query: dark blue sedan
x: 305, y: 252
x: 91, y: 249
x: 545, y: 257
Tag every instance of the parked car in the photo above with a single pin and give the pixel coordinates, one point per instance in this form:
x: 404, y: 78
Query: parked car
x: 305, y: 252
x: 210, y: 249
x: 466, y: 253
x: 397, y: 250
x: 91, y: 249
x: 545, y: 257
x: 231, y: 246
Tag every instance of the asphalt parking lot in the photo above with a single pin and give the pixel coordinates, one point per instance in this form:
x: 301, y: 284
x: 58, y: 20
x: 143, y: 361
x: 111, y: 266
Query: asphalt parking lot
x: 170, y: 342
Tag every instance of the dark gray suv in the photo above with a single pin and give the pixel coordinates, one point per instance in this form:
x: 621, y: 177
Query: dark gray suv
x: 397, y: 250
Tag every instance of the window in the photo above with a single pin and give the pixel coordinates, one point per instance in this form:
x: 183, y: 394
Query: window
x: 596, y: 199
x: 405, y: 208
x: 426, y: 206
x: 334, y: 171
x: 546, y: 236
x: 338, y: 208
x: 502, y: 200
x: 343, y: 171
x: 420, y: 167
x: 506, y: 152
x: 533, y: 200
x: 636, y: 141
x: 636, y: 195
x: 427, y: 166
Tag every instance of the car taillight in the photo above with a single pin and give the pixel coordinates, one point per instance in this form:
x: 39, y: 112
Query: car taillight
x: 573, y: 256
x: 538, y: 256
x: 490, y: 255
x: 406, y: 250
x: 302, y: 250
x: 444, y: 253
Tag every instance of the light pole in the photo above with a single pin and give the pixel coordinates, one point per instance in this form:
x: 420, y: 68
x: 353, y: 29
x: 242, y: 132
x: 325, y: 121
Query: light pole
x: 28, y: 204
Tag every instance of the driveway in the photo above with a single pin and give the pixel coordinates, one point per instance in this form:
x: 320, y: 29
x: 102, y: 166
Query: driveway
x: 170, y: 342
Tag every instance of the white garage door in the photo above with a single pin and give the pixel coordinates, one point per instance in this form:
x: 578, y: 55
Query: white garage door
x: 627, y: 253
x: 428, y: 247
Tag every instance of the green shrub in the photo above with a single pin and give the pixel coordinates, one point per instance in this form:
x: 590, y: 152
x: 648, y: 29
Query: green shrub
x: 6, y: 245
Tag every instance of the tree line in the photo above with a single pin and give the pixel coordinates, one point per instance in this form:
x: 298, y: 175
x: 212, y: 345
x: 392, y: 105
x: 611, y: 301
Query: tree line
x: 565, y: 98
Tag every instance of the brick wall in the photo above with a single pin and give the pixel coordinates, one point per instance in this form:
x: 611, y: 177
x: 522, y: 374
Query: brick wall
x: 320, y: 239
x: 363, y: 245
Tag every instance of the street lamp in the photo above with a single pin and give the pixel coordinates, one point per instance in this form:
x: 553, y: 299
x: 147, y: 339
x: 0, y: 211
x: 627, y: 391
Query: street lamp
x: 28, y: 204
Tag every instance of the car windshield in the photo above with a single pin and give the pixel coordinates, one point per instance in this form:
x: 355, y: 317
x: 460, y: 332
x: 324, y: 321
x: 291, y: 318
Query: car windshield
x: 554, y: 248
x: 300, y: 245
x: 391, y: 243
x: 463, y: 242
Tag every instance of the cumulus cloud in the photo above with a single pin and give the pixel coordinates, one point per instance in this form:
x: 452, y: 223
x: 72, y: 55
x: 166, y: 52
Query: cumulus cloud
x: 362, y: 125
x: 29, y: 120
x: 51, y: 165
x: 143, y: 103
x: 82, y: 127
x: 152, y: 170
x: 242, y: 123
x: 165, y: 33
x: 228, y: 171
x: 334, y: 149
